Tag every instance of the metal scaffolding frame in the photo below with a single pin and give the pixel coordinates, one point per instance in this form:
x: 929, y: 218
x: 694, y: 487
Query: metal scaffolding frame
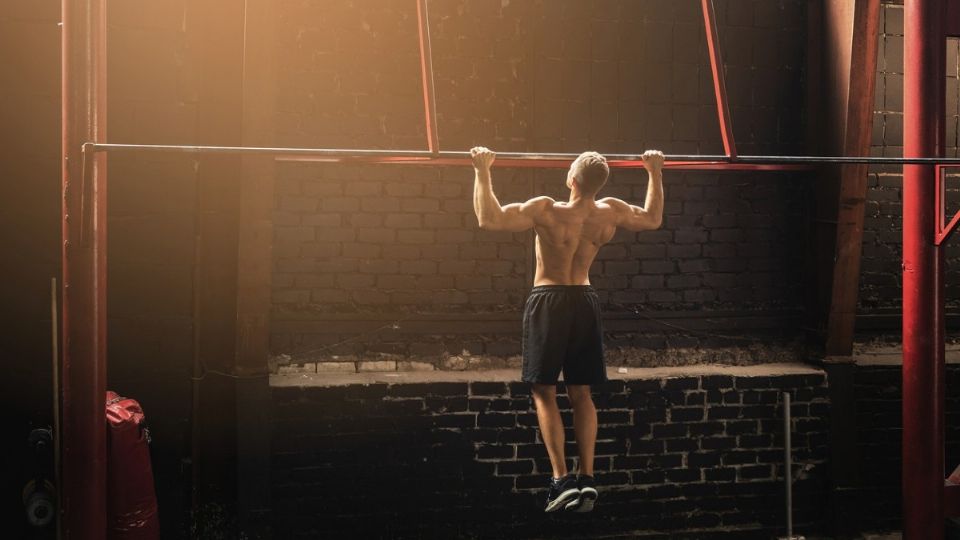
x: 84, y: 240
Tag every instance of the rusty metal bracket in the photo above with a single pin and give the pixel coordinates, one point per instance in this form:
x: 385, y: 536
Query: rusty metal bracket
x: 943, y: 230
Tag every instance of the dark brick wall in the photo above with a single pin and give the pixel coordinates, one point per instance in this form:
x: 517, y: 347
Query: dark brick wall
x: 464, y: 460
x: 376, y: 245
x: 880, y: 277
x: 879, y: 433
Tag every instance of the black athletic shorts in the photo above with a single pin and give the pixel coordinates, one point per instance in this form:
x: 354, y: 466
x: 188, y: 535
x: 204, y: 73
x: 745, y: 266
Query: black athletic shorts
x: 562, y: 332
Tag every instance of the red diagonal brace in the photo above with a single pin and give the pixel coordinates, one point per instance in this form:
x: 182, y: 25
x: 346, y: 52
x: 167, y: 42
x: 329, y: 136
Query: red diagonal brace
x: 719, y: 86
x: 943, y: 229
x: 426, y: 72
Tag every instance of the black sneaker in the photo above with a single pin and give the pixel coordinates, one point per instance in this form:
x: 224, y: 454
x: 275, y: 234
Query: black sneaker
x: 588, y: 495
x: 563, y: 491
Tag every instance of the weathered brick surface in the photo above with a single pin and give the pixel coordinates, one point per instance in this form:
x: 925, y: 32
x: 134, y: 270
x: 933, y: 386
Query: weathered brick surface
x: 878, y: 435
x: 381, y: 242
x: 464, y: 460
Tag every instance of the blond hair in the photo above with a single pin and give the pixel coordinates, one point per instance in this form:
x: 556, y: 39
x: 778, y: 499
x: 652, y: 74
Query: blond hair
x: 590, y: 171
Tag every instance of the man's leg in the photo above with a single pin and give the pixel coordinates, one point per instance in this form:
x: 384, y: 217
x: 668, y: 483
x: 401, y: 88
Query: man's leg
x: 584, y: 424
x: 551, y: 426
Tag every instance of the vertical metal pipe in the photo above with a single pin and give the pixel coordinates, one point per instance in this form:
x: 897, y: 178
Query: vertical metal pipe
x: 83, y: 372
x: 719, y: 84
x: 426, y: 72
x: 55, y: 360
x: 197, y: 373
x: 923, y: 360
x: 788, y: 462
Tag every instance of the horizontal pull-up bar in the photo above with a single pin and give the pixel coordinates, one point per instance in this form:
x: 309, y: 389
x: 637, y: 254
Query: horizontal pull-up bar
x: 516, y: 159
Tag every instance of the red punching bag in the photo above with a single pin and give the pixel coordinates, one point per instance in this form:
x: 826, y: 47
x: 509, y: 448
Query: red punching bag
x: 131, y: 500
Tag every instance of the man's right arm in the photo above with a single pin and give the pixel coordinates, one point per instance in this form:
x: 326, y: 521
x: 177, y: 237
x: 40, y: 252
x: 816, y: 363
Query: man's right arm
x: 650, y: 216
x: 514, y: 217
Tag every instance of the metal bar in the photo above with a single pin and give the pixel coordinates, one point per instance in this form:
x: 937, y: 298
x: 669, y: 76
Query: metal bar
x: 426, y: 72
x: 719, y: 83
x: 196, y: 361
x: 83, y: 375
x: 923, y: 320
x: 458, y: 157
x: 788, y: 462
x: 57, y: 428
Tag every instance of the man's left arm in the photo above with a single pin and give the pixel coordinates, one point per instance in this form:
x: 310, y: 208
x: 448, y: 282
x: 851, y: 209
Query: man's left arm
x: 650, y: 216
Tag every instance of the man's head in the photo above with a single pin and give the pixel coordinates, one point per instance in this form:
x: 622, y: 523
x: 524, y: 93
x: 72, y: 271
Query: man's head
x: 589, y: 172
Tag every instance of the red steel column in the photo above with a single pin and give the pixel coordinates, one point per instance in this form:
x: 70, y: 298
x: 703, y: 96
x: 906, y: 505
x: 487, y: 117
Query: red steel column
x: 83, y: 439
x: 923, y: 325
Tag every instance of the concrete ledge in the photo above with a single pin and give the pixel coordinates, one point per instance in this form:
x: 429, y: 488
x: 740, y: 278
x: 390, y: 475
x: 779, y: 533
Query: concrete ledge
x: 513, y: 375
x: 892, y: 355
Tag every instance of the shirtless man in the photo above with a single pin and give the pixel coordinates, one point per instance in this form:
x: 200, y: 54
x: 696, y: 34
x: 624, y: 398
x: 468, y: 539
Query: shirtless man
x: 561, y: 319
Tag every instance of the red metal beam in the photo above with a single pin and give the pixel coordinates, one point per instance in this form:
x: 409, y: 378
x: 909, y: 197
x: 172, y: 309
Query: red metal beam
x: 556, y: 163
x: 426, y: 72
x: 719, y: 85
x: 923, y: 322
x: 942, y: 229
x: 860, y: 28
x: 83, y: 80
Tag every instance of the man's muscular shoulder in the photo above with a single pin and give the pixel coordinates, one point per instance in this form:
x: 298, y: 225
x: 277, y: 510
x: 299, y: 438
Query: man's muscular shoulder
x: 539, y: 204
x: 542, y: 200
x: 537, y: 208
x: 613, y: 209
x: 614, y: 203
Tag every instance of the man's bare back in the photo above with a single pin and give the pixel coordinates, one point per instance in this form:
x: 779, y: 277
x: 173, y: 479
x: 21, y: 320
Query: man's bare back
x: 568, y: 239
x: 569, y: 234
